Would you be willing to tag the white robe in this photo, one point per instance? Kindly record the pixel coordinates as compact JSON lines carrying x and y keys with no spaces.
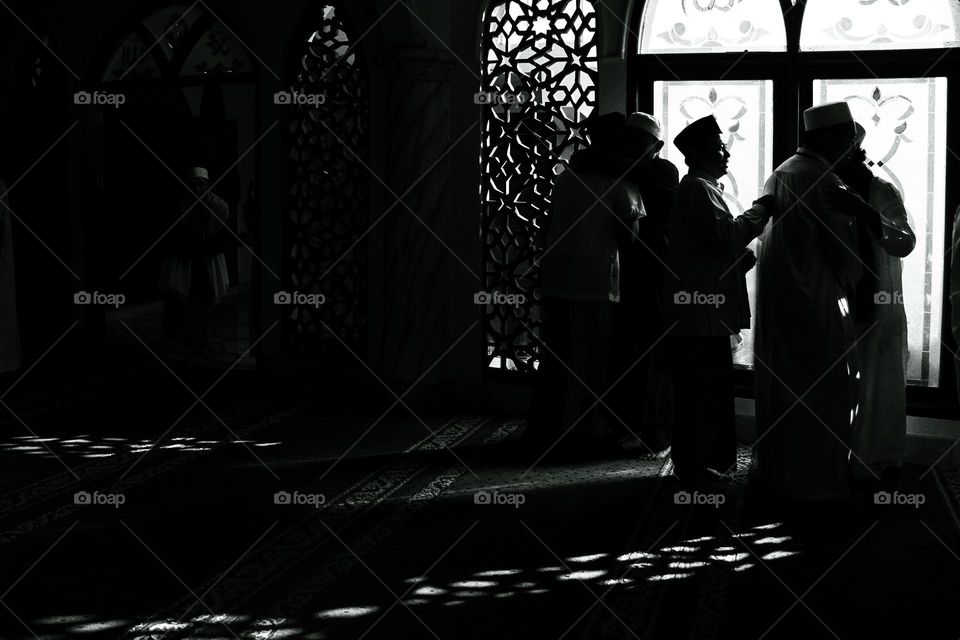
{"x":805,"y":354}
{"x":9,"y":329}
{"x":881,"y":431}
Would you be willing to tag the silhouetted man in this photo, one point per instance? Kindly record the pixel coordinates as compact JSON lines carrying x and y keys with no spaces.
{"x":806,"y":359}
{"x":706,"y":302}
{"x":580,"y":286}
{"x":638,"y":348}
{"x":880,"y":440}
{"x":194,"y":274}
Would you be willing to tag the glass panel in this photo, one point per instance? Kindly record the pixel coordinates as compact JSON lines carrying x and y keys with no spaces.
{"x":906,"y":123}
{"x":712,"y":26}
{"x":844,"y":25}
{"x":170,"y":26}
{"x":744,"y":110}
{"x":540,"y":75}
{"x":218,"y":51}
{"x":133,"y":60}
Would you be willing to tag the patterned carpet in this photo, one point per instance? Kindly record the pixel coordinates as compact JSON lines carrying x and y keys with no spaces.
{"x":265,"y":515}
{"x":227,"y":341}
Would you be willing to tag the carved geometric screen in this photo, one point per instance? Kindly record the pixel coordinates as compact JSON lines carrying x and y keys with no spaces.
{"x":326,"y":199}
{"x":744,"y":111}
{"x":540,"y":71}
{"x":906,"y":122}
{"x":844,"y":25}
{"x":712,"y":26}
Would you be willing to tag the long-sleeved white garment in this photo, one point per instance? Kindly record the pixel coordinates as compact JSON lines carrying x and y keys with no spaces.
{"x":881,"y":431}
{"x":805,"y":346}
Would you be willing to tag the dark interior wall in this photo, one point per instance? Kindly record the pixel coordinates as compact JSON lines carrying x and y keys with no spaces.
{"x":424,"y":68}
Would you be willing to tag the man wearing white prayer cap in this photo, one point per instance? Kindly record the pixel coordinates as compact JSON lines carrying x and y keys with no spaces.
{"x":805,"y":340}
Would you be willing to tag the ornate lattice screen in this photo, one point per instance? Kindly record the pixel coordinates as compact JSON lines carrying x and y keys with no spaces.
{"x":540,"y":71}
{"x":326,"y":205}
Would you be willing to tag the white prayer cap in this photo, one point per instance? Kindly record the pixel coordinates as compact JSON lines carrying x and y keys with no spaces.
{"x":644,"y":122}
{"x":199,"y":172}
{"x":826,"y":115}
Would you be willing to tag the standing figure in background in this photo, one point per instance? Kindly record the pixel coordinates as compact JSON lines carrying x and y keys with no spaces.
{"x":881,"y":322}
{"x":640,"y":356}
{"x":705,"y":303}
{"x":9,"y":328}
{"x":580,"y":288}
{"x":194,"y":274}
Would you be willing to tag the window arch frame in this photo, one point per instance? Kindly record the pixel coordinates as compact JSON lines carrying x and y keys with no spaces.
{"x":793,"y":73}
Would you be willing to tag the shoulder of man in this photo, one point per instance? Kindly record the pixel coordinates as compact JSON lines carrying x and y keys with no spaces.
{"x":219,"y":202}
{"x":885,"y":188}
{"x":666,"y":168}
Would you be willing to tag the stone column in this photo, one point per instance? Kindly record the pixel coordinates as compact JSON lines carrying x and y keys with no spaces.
{"x":417,"y":265}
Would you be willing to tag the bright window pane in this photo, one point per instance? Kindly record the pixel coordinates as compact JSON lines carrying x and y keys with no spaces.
{"x":712,"y":26}
{"x":906,"y":123}
{"x":744,"y":110}
{"x":844,"y":25}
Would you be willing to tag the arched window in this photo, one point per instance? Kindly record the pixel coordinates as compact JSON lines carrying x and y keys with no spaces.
{"x":712,"y":26}
{"x":191,"y":43}
{"x":540,"y":72}
{"x":325,"y":214}
{"x":872,"y":25}
{"x":758,"y":86}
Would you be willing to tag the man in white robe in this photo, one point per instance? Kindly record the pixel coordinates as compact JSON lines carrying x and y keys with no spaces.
{"x":805,"y":344}
{"x":194,"y":274}
{"x":879,"y":444}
